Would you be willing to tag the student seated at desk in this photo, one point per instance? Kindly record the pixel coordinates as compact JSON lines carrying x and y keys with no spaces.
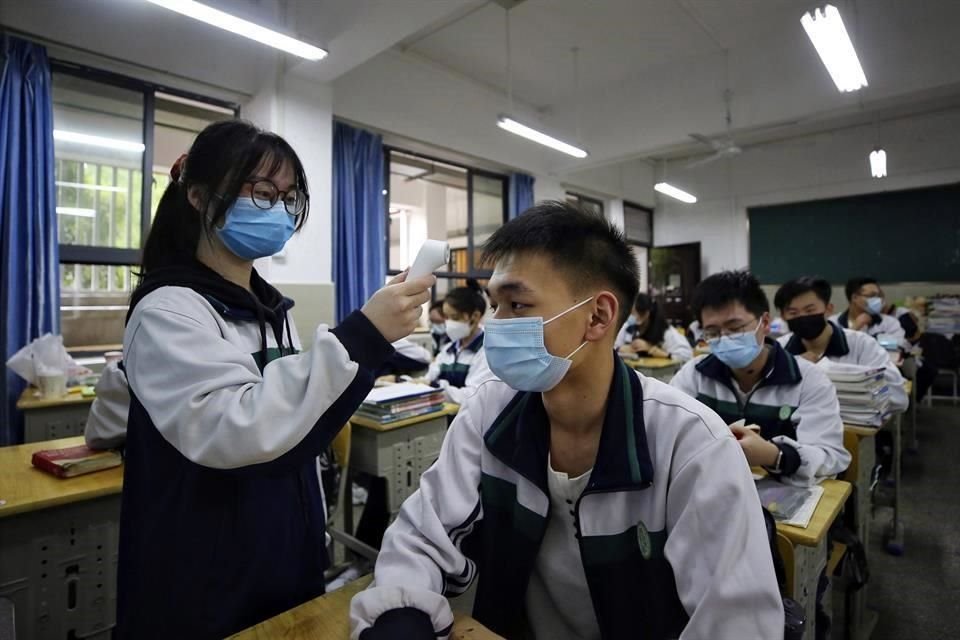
{"x":748,"y":376}
{"x":461,"y":366}
{"x":805,"y":303}
{"x":438,"y":327}
{"x":587,"y":500}
{"x":106,"y":426}
{"x":646,"y":333}
{"x":865,"y":312}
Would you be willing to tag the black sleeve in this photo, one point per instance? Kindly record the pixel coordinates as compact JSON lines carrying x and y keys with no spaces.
{"x":789,"y":460}
{"x":408,"y":623}
{"x":909,"y":325}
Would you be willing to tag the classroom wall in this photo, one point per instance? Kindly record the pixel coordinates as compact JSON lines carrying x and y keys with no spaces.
{"x":921,"y":150}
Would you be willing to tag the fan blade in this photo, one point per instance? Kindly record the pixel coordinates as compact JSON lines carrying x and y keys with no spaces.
{"x":699,"y":137}
{"x":702,"y":161}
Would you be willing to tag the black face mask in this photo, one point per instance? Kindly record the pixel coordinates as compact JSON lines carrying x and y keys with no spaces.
{"x":808,"y":327}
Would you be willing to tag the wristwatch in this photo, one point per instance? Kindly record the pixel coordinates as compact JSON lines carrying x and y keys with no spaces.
{"x":776,"y":465}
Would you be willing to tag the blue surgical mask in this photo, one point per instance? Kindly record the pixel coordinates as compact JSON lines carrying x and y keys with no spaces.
{"x":737,"y":350}
{"x":517,"y":354}
{"x":250,"y":232}
{"x":875,"y":305}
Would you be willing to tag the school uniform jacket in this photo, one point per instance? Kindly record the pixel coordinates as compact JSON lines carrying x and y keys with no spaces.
{"x":794,"y":404}
{"x":673,"y":343}
{"x":880,"y":324}
{"x":106,"y":426}
{"x":459,"y":369}
{"x":854,"y":348}
{"x":222,"y":520}
{"x":670,"y":529}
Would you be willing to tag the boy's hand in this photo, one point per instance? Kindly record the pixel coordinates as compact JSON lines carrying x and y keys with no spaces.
{"x":862,"y":321}
{"x":759,"y":452}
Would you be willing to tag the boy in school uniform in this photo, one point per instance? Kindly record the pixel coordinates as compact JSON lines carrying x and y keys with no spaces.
{"x":587,"y":500}
{"x":865,"y":312}
{"x":751,"y":377}
{"x":805,"y":303}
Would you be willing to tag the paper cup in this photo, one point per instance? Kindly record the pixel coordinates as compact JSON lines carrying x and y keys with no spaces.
{"x":113,"y":356}
{"x":53,"y":386}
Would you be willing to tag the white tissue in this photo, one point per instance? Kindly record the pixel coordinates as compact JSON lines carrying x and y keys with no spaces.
{"x":45,"y":356}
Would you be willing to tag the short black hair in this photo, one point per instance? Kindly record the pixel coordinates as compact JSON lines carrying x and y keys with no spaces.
{"x":584,"y":246}
{"x":726,"y":287}
{"x":799,"y":286}
{"x":855,"y":284}
{"x":466,"y":300}
{"x":436,"y":304}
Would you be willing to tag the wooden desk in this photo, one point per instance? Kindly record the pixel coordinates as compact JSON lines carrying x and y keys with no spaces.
{"x":46,"y":419}
{"x":328,"y":618}
{"x":809,"y":550}
{"x":659,"y":368}
{"x":58,"y":546}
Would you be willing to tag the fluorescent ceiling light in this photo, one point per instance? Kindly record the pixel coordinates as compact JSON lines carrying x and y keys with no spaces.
{"x":76,"y":211}
{"x":878,"y":163}
{"x":98,"y":141}
{"x":511,"y":125}
{"x":825,"y":29}
{"x":673,"y":192}
{"x":242,"y":27}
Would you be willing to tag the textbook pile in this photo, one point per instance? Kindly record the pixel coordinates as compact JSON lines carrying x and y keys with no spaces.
{"x":864,"y":396}
{"x":397,"y":402}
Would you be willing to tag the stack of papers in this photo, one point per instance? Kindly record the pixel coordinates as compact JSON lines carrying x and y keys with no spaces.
{"x":788,"y":504}
{"x":864,"y":397}
{"x":944,"y":315}
{"x":400,"y":401}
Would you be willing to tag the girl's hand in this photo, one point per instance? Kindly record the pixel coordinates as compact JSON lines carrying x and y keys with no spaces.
{"x":395,"y":309}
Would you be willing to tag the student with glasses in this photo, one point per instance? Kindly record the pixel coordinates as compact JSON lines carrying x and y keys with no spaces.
{"x":865,"y":312}
{"x":222,"y":522}
{"x":751,"y":377}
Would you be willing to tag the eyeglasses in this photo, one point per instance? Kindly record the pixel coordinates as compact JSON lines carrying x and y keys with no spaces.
{"x":712,"y":333}
{"x":265,"y":195}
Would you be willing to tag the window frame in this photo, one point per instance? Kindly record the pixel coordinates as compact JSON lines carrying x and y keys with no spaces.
{"x":113,"y":256}
{"x":582,"y":199}
{"x":472,"y":270}
{"x":649,"y":210}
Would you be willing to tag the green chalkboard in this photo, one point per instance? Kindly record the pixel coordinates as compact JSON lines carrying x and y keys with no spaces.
{"x":895,"y":236}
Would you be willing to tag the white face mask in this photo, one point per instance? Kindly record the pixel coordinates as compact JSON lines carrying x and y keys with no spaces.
{"x":457,"y":330}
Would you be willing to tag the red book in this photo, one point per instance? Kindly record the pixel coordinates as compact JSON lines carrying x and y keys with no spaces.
{"x":75,"y":461}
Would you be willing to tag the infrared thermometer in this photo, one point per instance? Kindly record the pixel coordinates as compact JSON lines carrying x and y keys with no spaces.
{"x":432,"y":255}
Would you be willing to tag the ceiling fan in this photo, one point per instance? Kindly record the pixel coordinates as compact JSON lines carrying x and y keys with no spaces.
{"x":723,"y":146}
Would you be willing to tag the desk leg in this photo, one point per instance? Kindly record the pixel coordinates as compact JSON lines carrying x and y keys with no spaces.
{"x":809,"y":563}
{"x":895,"y":533}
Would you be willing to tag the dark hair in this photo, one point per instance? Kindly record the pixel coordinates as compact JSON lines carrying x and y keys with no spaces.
{"x":466,"y":300}
{"x":584,"y":246}
{"x":220,"y":160}
{"x":436,"y":304}
{"x":855,"y":284}
{"x":799,"y":286}
{"x":656,"y":323}
{"x":725,"y":287}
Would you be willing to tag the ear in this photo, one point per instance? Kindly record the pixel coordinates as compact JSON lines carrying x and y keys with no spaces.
{"x":764,"y":324}
{"x":603,"y":321}
{"x":475,"y":317}
{"x":196,"y":197}
{"x":829,"y":309}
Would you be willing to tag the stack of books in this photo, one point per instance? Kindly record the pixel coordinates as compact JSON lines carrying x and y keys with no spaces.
{"x":944,"y":315}
{"x":397,"y":402}
{"x":864,"y":396}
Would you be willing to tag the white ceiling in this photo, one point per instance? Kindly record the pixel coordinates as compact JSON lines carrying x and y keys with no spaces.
{"x":654,"y":71}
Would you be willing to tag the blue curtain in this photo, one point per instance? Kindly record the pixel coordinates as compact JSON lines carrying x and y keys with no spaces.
{"x":521,"y":194}
{"x":29,"y":277}
{"x":359,"y":219}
